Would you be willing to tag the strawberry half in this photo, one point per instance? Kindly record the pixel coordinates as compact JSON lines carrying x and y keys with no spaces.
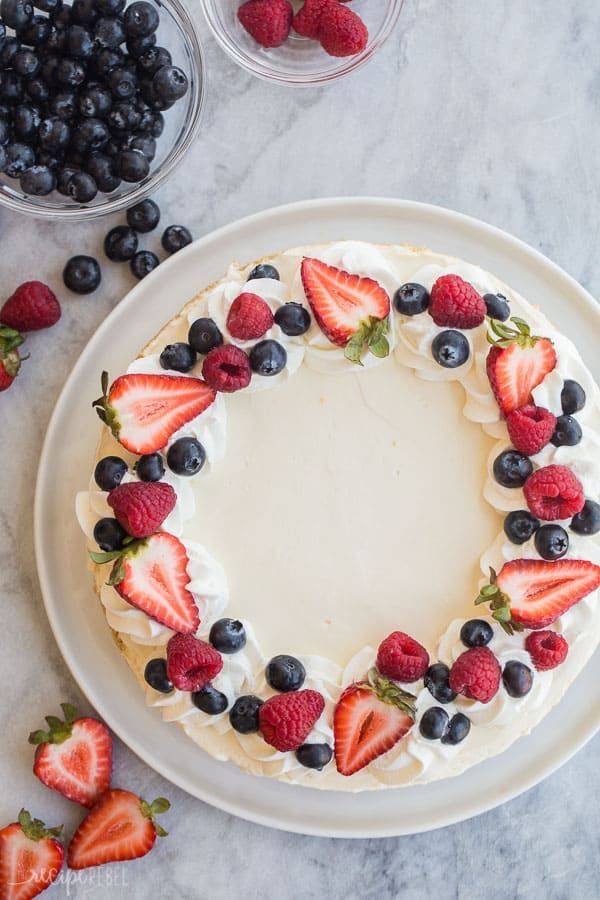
{"x":10,"y":358}
{"x":517,"y":362}
{"x":31,"y":858}
{"x":352,"y":311}
{"x":121,"y":826}
{"x":151,"y":574}
{"x":143,"y":411}
{"x":369,"y":719}
{"x":533,"y":593}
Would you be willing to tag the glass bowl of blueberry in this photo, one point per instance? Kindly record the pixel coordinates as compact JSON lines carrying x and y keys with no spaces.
{"x":99,"y":102}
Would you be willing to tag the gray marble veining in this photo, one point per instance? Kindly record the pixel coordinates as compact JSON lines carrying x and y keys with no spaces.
{"x":490,"y":107}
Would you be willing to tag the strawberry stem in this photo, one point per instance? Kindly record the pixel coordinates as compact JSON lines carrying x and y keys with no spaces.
{"x":59,"y":731}
{"x":106,"y":413}
{"x":499,"y":603}
{"x":370,"y":336}
{"x":389,"y":692}
{"x":150,"y":810}
{"x":35,"y":829}
{"x":503,"y":335}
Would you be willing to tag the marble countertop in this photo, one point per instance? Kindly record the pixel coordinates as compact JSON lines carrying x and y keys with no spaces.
{"x":479,"y":105}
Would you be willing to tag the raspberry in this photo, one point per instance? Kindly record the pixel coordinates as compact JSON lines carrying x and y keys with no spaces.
{"x":141,"y":507}
{"x":249,"y":317}
{"x":341,"y":31}
{"x":286,"y":720}
{"x":191,"y":663}
{"x":476,"y":674}
{"x":32,"y":306}
{"x":455,"y":303}
{"x":227,"y":368}
{"x":554,"y":492}
{"x":268,"y":21}
{"x":308,"y":18}
{"x":530,"y":428}
{"x":547,"y":649}
{"x":402,"y":658}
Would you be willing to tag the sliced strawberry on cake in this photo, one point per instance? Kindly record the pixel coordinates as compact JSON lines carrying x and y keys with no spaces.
{"x":31,"y":857}
{"x":517,"y":362}
{"x":351,"y":310}
{"x":143,"y":411}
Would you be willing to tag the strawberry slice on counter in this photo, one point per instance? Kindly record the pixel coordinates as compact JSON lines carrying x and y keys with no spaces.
{"x":351,"y":310}
{"x":517,"y":362}
{"x":143,"y":411}
{"x":74,"y":757}
{"x":369,"y":719}
{"x":533,"y":593}
{"x":121,"y":826}
{"x":31,"y":858}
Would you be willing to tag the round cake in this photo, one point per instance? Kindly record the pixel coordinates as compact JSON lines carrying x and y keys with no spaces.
{"x":385,"y":569}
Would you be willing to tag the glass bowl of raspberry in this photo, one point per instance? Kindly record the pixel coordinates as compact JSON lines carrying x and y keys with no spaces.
{"x":338,"y":37}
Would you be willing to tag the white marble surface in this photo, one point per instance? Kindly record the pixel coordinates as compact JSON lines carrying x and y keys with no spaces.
{"x":486,"y":106}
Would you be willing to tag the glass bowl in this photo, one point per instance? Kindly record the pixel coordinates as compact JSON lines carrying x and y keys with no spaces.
{"x":299,"y":61}
{"x":178,"y":33}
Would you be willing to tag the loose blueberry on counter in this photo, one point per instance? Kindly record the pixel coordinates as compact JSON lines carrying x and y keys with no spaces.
{"x":109,"y":472}
{"x":120,"y":244}
{"x":588,"y":520}
{"x":204,"y":335}
{"x":411,"y":299}
{"x":497,"y":306}
{"x":434,"y":723}
{"x":285,"y":673}
{"x":210,"y":700}
{"x":293,"y":319}
{"x":264,"y":270}
{"x":268,"y":358}
{"x":437,"y":682}
{"x":512,"y":469}
{"x":179,"y":357}
{"x":109,"y":535}
{"x":150,"y":467}
{"x":314,"y":756}
{"x":227,"y":635}
{"x":476,"y":633}
{"x":551,"y":541}
{"x":243,"y":715}
{"x":82,"y":274}
{"x":572,"y":397}
{"x":144,"y":216}
{"x":458,"y":728}
{"x":81,"y":187}
{"x":175,"y":238}
{"x":37,"y":181}
{"x":567,"y":433}
{"x":186,"y":456}
{"x":520,"y":525}
{"x":517,"y":678}
{"x":156,"y":676}
{"x":143,"y":263}
{"x":450,"y":349}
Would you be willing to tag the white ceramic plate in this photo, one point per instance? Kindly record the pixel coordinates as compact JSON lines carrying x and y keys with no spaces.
{"x":77,"y":618}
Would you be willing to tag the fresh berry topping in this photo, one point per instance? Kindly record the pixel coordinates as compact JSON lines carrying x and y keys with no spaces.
{"x":517,"y":678}
{"x":434,"y":723}
{"x":411,"y":299}
{"x":533,"y":593}
{"x":285,"y":673}
{"x":179,"y":357}
{"x":243,"y":715}
{"x":191,"y":663}
{"x":249,"y":317}
{"x":547,"y":649}
{"x":144,"y":216}
{"x":530,"y":428}
{"x":572,"y":397}
{"x":476,"y":633}
{"x":267,"y":21}
{"x":120,"y":826}
{"x":210,"y":700}
{"x":588,"y":520}
{"x":264,"y":270}
{"x":32,"y":306}
{"x":437,"y":682}
{"x":293,"y":319}
{"x":314,"y":756}
{"x":458,"y":728}
{"x":268,"y":358}
{"x":109,"y":472}
{"x":82,"y":274}
{"x":155,"y":674}
{"x":554,"y":492}
{"x":141,"y":507}
{"x":520,"y":526}
{"x":369,"y":719}
{"x":496,"y":306}
{"x":31,"y":858}
{"x":109,"y":535}
{"x":512,"y":469}
{"x":516,"y":363}
{"x":286,"y":720}
{"x":74,"y":757}
{"x":450,"y":349}
{"x":551,"y":541}
{"x":568,"y":432}
{"x":341,"y":31}
{"x":402,"y":658}
{"x":455,"y":303}
{"x":476,"y":674}
{"x":175,"y":237}
{"x":204,"y":335}
{"x":227,"y":635}
{"x":186,"y":456}
{"x":150,"y":467}
{"x":308,"y":18}
{"x":352,"y":311}
{"x":10,"y":360}
{"x":227,"y":368}
{"x":143,"y":411}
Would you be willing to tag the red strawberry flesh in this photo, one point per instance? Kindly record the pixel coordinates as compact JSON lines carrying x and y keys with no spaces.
{"x":80,"y":767}
{"x":30,"y":858}
{"x":516,"y":370}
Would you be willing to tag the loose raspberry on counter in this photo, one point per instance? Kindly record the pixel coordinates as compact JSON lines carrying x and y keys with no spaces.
{"x":33,"y":306}
{"x":547,"y":649}
{"x":554,"y":492}
{"x":341,"y":31}
{"x":191,"y":663}
{"x":249,"y":317}
{"x":141,"y":507}
{"x":267,"y":21}
{"x":530,"y":428}
{"x":476,"y":674}
{"x":286,"y":720}
{"x":227,"y":368}
{"x":455,"y":303}
{"x":402,"y":658}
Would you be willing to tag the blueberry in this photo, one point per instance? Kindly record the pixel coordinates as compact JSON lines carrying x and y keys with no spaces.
{"x":123,"y":118}
{"x":588,"y":520}
{"x":179,"y":356}
{"x":94,"y":102}
{"x":63,"y":105}
{"x":268,"y":358}
{"x":4,"y":132}
{"x":497,"y":306}
{"x":551,"y":541}
{"x":11,"y":88}
{"x":89,"y":135}
{"x":100,"y":168}
{"x":63,"y":176}
{"x":186,"y":456}
{"x":109,"y":472}
{"x":81,"y":187}
{"x":141,"y":19}
{"x":132,"y":165}
{"x":82,"y":274}
{"x":156,"y":676}
{"x":175,"y":238}
{"x":434,"y":723}
{"x":110,"y":7}
{"x":572,"y":397}
{"x":36,"y":32}
{"x":138,"y":45}
{"x":53,"y":134}
{"x":144,"y":216}
{"x":48,"y":6}
{"x":107,"y":60}
{"x":450,"y":349}
{"x":150,"y":467}
{"x":285,"y":673}
{"x":293,"y":319}
{"x":170,"y":84}
{"x":264,"y":270}
{"x":143,"y":263}
{"x":61,"y":15}
{"x":26,"y":121}
{"x":314,"y":756}
{"x":44,"y":158}
{"x":49,"y":68}
{"x":567,"y":433}
{"x":79,"y":42}
{"x":228,"y":635}
{"x":109,"y":535}
{"x":109,"y":32}
{"x":2,"y":158}
{"x":55,"y":42}
{"x":512,"y":469}
{"x":38,"y":181}
{"x":121,"y":243}
{"x":517,"y":678}
{"x":476,"y":633}
{"x":458,"y":728}
{"x":8,"y":50}
{"x":84,"y":12}
{"x":210,"y":700}
{"x":146,"y":144}
{"x":437,"y":682}
{"x":520,"y":525}
{"x":411,"y":299}
{"x":70,"y":72}
{"x":37,"y":90}
{"x":26,"y":63}
{"x":151,"y":123}
{"x":19,"y":157}
{"x":153,"y":59}
{"x":122,"y":83}
{"x":243,"y":715}
{"x":204,"y":335}
{"x":16,"y":13}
